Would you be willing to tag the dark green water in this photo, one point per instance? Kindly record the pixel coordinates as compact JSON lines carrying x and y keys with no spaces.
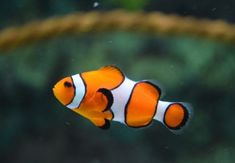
{"x":34,"y":127}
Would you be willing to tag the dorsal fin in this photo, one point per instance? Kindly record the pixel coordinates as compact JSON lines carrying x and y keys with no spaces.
{"x":112,"y":68}
{"x":112,"y":73}
{"x":108,"y":77}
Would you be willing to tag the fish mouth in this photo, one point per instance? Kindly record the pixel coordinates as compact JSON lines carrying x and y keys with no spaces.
{"x":53,"y":89}
{"x":54,"y":92}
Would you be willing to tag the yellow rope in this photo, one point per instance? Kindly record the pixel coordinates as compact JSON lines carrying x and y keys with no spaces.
{"x":154,"y":23}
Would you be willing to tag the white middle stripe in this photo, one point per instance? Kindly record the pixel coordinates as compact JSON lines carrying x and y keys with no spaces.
{"x":121,"y":96}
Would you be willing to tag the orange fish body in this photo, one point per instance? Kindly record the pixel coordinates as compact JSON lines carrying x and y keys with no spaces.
{"x":107,"y":94}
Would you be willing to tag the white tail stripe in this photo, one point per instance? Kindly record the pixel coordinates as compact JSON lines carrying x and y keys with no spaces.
{"x":161,"y":108}
{"x":80,"y":90}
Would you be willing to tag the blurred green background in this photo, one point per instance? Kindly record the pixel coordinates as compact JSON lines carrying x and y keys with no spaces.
{"x":35,"y":128}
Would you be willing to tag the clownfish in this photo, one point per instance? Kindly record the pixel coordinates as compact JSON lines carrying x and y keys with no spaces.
{"x":106,"y":95}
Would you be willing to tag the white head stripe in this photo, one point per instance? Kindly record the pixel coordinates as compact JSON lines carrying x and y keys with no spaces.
{"x":80,"y":90}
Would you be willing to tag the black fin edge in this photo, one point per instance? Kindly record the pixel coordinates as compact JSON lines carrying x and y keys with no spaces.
{"x":184,"y":121}
{"x":109,"y":96}
{"x":154,"y":85}
{"x":119,"y":70}
{"x":106,"y":125}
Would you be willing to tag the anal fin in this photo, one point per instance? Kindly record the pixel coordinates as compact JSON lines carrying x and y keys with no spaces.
{"x":106,"y":125}
{"x":101,"y":122}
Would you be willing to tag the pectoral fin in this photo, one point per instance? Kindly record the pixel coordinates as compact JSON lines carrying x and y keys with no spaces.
{"x":97,"y":110}
{"x":109,"y":97}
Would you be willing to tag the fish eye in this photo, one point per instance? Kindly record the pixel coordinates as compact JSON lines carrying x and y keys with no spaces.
{"x":67,"y":84}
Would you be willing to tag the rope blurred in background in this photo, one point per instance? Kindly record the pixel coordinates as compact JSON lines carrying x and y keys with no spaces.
{"x":153,"y":23}
{"x":142,"y":42}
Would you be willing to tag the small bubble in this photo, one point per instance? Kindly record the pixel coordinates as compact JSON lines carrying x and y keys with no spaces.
{"x":213,"y":9}
{"x":67,"y":123}
{"x":166,"y":147}
{"x":95,"y":4}
{"x":95,"y":161}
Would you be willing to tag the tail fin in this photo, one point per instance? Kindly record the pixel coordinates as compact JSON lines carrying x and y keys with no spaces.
{"x":174,"y":115}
